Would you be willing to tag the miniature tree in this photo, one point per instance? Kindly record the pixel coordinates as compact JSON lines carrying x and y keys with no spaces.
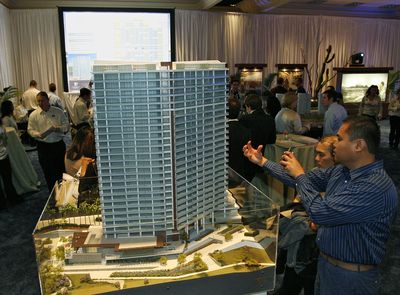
{"x":44,"y":254}
{"x":218,"y":256}
{"x":184,"y":236}
{"x":181,"y":259}
{"x":251,"y":262}
{"x":199,"y":264}
{"x":228,"y":237}
{"x":197,"y":255}
{"x":60,"y":253}
{"x":163,"y":260}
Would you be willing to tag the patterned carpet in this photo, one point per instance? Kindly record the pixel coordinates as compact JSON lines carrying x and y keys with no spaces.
{"x":18,"y":270}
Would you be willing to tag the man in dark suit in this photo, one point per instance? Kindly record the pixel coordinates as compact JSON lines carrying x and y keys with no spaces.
{"x":261,"y":125}
{"x":279,"y":87}
{"x":238,"y":136}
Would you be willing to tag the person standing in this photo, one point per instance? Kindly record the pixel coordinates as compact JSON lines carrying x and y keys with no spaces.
{"x":261,"y":126}
{"x":29,"y":97}
{"x":394,"y":119}
{"x":48,"y":125}
{"x":279,"y":87}
{"x":354,"y":216}
{"x":297,"y":235}
{"x":371,"y":104}
{"x":288,"y":120}
{"x":238,"y":136}
{"x":8,"y":196}
{"x":335,"y":114}
{"x":7,"y":117}
{"x":55,"y":100}
{"x":81,"y":116}
{"x":299,"y":85}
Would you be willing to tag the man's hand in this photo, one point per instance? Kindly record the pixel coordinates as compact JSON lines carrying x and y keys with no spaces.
{"x":291,"y":164}
{"x":254,"y":155}
{"x":48,"y":131}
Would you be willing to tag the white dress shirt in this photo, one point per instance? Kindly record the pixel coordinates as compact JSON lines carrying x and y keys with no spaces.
{"x":81,"y":112}
{"x":40,"y":121}
{"x":29,"y":99}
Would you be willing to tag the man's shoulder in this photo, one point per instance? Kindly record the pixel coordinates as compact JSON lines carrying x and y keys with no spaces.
{"x":35,"y":114}
{"x":56,"y":110}
{"x":79,"y":102}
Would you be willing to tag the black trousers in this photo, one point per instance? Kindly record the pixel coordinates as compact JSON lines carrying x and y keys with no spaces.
{"x":9,"y":196}
{"x":51,"y":159}
{"x":293,"y":283}
{"x":394,"y":135}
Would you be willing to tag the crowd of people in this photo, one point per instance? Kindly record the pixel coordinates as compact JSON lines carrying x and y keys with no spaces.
{"x":347,"y":202}
{"x":344,"y":207}
{"x":46,"y":124}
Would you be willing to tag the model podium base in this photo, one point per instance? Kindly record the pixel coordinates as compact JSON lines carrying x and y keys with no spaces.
{"x":232,"y":252}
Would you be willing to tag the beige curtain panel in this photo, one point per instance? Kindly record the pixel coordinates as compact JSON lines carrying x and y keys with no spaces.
{"x":33,"y":47}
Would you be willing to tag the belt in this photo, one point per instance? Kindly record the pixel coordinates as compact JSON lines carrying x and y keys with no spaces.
{"x":347,"y":265}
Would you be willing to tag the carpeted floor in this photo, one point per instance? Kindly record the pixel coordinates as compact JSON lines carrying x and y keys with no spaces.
{"x":18,"y":270}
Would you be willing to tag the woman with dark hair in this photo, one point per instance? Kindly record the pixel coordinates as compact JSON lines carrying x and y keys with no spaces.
{"x":8,"y":194}
{"x":82,"y":146}
{"x":7,"y":117}
{"x":394,"y":118}
{"x":371,"y":105}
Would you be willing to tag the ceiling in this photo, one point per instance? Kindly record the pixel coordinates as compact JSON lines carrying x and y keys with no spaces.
{"x":358,"y":8}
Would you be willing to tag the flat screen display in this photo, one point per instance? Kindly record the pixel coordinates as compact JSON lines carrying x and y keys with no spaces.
{"x":355,"y":85}
{"x":133,"y":36}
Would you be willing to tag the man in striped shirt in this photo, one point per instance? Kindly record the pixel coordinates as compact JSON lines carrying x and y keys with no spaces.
{"x":355,"y":214}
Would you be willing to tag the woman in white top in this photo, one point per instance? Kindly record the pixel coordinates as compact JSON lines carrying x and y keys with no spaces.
{"x":288,"y":120}
{"x":7,"y":117}
{"x":394,"y":118}
{"x":371,"y":105}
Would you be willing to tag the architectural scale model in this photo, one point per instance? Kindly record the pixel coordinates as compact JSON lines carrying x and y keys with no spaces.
{"x":161,"y":144}
{"x":162,"y":218}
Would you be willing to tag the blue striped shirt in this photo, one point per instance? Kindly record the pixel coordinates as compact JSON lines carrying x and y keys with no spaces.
{"x":355,"y":214}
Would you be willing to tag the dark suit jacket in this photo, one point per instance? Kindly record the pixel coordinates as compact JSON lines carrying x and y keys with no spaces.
{"x":278,"y":89}
{"x":262,"y":128}
{"x":238,"y":137}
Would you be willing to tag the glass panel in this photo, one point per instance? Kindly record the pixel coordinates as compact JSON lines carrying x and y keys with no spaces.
{"x":238,"y":238}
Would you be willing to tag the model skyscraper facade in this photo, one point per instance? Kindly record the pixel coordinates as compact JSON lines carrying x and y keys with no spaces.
{"x":161,"y":147}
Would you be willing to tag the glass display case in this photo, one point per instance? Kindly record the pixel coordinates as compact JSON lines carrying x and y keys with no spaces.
{"x":232,"y":252}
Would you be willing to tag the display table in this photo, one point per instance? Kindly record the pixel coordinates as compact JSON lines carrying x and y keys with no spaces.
{"x":304,"y":149}
{"x":24,"y":176}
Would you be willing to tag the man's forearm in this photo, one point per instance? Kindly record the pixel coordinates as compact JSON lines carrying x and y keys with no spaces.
{"x":277,"y":171}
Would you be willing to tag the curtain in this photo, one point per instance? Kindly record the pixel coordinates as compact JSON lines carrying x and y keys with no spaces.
{"x":37,"y":49}
{"x":6,"y":66}
{"x":200,"y":35}
{"x":271,"y":39}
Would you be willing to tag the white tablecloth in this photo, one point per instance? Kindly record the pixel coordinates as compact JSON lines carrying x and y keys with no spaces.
{"x":304,"y":149}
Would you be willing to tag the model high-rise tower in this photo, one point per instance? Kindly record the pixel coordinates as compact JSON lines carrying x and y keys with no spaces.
{"x":161,"y":147}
